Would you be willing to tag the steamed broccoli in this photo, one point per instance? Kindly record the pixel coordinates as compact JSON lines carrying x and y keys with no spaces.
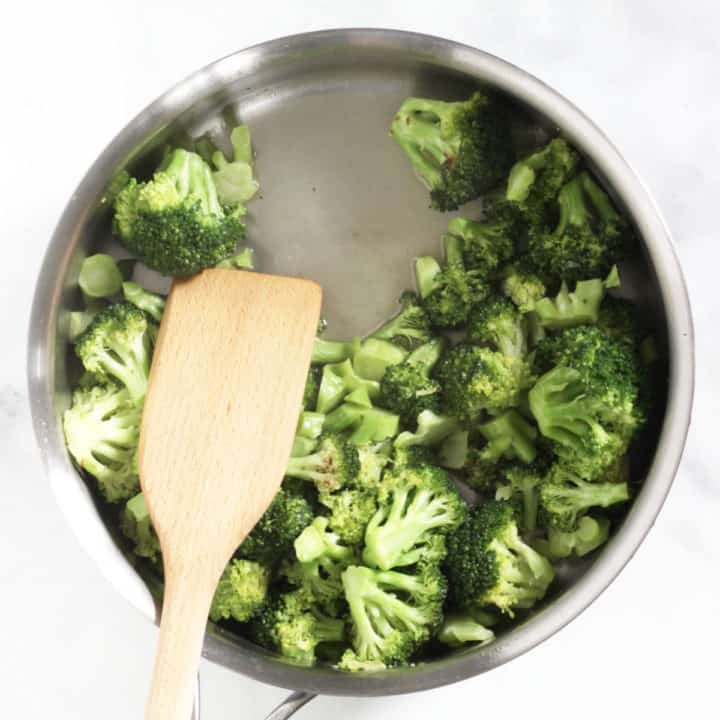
{"x":175,"y":223}
{"x":99,"y":277}
{"x":339,"y":380}
{"x":509,"y":435}
{"x":244,"y":259}
{"x":497,"y":322}
{"x":474,"y":379}
{"x":137,"y":527}
{"x":241,"y":592}
{"x":331,"y":351}
{"x":521,"y":485}
{"x":366,"y":423}
{"x":459,"y":628}
{"x":565,"y":497}
{"x":374,"y":457}
{"x":410,"y":327}
{"x":589,"y":238}
{"x":457,"y":149}
{"x":590,"y":534}
{"x":432,"y":429}
{"x":392,"y":612}
{"x":373,"y":357}
{"x":619,"y":319}
{"x":485,"y":246}
{"x":522,"y":285}
{"x":350,"y":510}
{"x":407,"y":388}
{"x":416,"y":503}
{"x":273,"y":536}
{"x":334,"y":464}
{"x":312,"y":387}
{"x":150,"y":303}
{"x":234,"y":179}
{"x":117,"y":345}
{"x":489,"y":564}
{"x":102,"y":428}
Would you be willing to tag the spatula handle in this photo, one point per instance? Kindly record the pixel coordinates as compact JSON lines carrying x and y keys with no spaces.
{"x":182,"y":629}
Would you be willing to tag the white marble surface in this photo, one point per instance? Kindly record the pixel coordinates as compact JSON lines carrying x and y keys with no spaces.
{"x":646,"y":71}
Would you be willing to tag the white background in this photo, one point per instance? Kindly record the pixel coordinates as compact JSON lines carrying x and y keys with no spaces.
{"x":647,"y":72}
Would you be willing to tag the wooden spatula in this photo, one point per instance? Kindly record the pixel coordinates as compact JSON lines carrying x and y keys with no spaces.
{"x":225,"y":390}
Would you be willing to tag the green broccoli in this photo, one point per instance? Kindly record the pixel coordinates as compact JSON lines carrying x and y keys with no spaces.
{"x":489,"y":564}
{"x":522,"y":285}
{"x":457,"y":149}
{"x":99,"y":277}
{"x":175,"y":223}
{"x":273,"y":536}
{"x":334,"y":464}
{"x":497,"y":322}
{"x":312,"y":387}
{"x":619,"y":319}
{"x":321,"y":558}
{"x":521,"y":486}
{"x":590,"y":534}
{"x":374,"y":457}
{"x":292,"y":624}
{"x":454,"y":449}
{"x":310,"y":424}
{"x":234,"y":180}
{"x":367,"y":424}
{"x":373,"y":357}
{"x":339,"y":380}
{"x":589,"y":238}
{"x":485,"y":246}
{"x":137,"y":527}
{"x":332,"y":351}
{"x":407,"y":388}
{"x":509,"y":435}
{"x":565,"y":497}
{"x":117,"y":345}
{"x":150,"y":303}
{"x":350,"y":511}
{"x":242,"y":260}
{"x":432,"y":429}
{"x":392,"y":612}
{"x":483,"y":468}
{"x":416,"y":502}
{"x":410,"y":327}
{"x":474,"y":379}
{"x":459,"y":628}
{"x":102,"y":428}
{"x":241,"y":591}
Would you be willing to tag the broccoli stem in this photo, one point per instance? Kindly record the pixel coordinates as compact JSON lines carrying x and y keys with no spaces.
{"x":99,"y":276}
{"x":242,"y":260}
{"x":152,"y":304}
{"x":374,"y":357}
{"x":331,"y":351}
{"x":427,"y":270}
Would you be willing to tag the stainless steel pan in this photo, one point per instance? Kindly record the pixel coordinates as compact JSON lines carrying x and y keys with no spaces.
{"x":339,"y":204}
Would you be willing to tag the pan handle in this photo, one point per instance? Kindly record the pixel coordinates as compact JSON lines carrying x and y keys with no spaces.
{"x":290,"y":705}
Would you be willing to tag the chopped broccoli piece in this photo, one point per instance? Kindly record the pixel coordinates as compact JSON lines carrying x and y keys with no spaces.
{"x":590,"y":534}
{"x":432,"y":429}
{"x":312,"y":387}
{"x":339,"y":380}
{"x":522,"y":285}
{"x":241,"y":592}
{"x":416,"y":503}
{"x":242,"y":260}
{"x":457,"y":149}
{"x":489,"y":564}
{"x":273,"y":536}
{"x":474,"y":379}
{"x":392,"y":612}
{"x":497,"y":322}
{"x":332,"y":351}
{"x":368,"y":424}
{"x":102,"y":428}
{"x":565,"y":497}
{"x":522,"y":488}
{"x":150,"y":303}
{"x":453,"y":451}
{"x":374,"y":357}
{"x":373,"y":459}
{"x":99,"y":277}
{"x":350,"y":512}
{"x":407,"y":388}
{"x":234,"y":180}
{"x":511,"y":436}
{"x":175,"y":223}
{"x":334,"y":464}
{"x":137,"y":527}
{"x":410,"y":327}
{"x":459,"y":628}
{"x":117,"y":346}
{"x":485,"y":246}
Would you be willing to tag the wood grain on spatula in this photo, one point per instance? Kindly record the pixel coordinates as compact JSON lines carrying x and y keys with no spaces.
{"x":225,"y":390}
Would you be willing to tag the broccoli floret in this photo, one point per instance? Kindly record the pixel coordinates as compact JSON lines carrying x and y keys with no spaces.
{"x":234,"y":179}
{"x":368,"y":424}
{"x":489,"y":564}
{"x":590,"y":534}
{"x":407,"y":388}
{"x":175,"y":223}
{"x":350,"y":512}
{"x":485,"y":245}
{"x":565,"y":497}
{"x":373,"y":357}
{"x":410,"y":327}
{"x":535,"y":181}
{"x":412,"y":455}
{"x":392,"y":612}
{"x":334,"y":464}
{"x":522,"y":285}
{"x":374,"y":457}
{"x":474,"y":379}
{"x":589,"y":238}
{"x":448,"y":294}
{"x":321,"y":558}
{"x":273,"y":536}
{"x":339,"y":380}
{"x":483,"y":468}
{"x":459,"y":628}
{"x":102,"y":428}
{"x":522,"y":486}
{"x":497,"y":322}
{"x":457,"y":149}
{"x":619,"y":319}
{"x":293,"y":625}
{"x":241,"y":591}
{"x":117,"y":345}
{"x":241,"y":260}
{"x":331,"y":351}
{"x":150,"y":303}
{"x":432,"y":429}
{"x":509,"y":435}
{"x":310,"y":424}
{"x":99,"y":277}
{"x":137,"y":527}
{"x":312,"y":387}
{"x":416,"y":503}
